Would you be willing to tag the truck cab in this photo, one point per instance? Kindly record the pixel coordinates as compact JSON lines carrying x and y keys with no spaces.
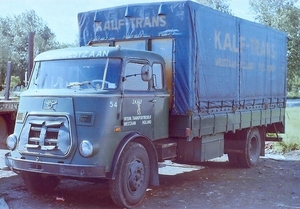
{"x":88,"y":111}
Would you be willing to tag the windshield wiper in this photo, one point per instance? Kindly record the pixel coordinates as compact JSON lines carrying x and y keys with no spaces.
{"x":80,"y":84}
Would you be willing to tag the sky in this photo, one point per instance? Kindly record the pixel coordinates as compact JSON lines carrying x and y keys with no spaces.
{"x":61,"y":15}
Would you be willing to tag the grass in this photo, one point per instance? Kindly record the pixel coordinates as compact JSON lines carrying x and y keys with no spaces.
{"x":291,"y":138}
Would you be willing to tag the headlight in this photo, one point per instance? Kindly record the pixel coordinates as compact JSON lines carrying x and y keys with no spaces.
{"x":86,"y":148}
{"x":11,"y":142}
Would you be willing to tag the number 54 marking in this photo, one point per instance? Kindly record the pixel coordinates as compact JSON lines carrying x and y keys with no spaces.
{"x":113,"y":104}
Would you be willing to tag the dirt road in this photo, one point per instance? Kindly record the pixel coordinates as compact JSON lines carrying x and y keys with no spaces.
{"x":272,"y":184}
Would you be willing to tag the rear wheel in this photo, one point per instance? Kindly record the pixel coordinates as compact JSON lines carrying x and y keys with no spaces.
{"x":40,"y":184}
{"x":132,"y":176}
{"x":234,"y":159}
{"x":252,"y":147}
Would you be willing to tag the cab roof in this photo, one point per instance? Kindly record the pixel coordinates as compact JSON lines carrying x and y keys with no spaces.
{"x":89,"y":52}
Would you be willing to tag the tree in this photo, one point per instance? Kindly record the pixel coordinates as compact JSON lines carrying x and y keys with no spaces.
{"x":221,"y":5}
{"x":14,"y":81}
{"x":14,"y":41}
{"x":285,"y":16}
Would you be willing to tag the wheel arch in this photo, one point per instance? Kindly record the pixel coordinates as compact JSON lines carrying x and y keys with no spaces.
{"x":136,"y":137}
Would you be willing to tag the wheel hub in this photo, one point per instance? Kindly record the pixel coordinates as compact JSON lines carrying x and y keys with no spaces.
{"x":136,"y":177}
{"x":253,"y":146}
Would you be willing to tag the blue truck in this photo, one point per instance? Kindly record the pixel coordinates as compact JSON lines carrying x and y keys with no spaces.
{"x":150,"y":82}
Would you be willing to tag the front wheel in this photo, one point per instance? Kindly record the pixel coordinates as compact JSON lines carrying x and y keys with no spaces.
{"x":132,"y":176}
{"x":38,"y":183}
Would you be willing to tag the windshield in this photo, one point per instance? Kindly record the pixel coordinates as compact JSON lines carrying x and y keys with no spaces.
{"x":95,"y":74}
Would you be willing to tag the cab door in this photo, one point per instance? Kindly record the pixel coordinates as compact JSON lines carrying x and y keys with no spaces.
{"x":162,"y":85}
{"x":160,"y":102}
{"x":137,"y":101}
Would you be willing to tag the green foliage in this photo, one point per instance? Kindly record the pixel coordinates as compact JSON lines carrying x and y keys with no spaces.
{"x":285,"y":16}
{"x":293,"y":95}
{"x":221,"y":5}
{"x":15,"y":81}
{"x":287,"y":146}
{"x":14,"y":41}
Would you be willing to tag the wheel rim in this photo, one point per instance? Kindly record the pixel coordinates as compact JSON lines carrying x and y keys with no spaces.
{"x":136,"y":176}
{"x":253,"y":148}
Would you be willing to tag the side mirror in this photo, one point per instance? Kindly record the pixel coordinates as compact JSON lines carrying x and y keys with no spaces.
{"x":146,"y":73}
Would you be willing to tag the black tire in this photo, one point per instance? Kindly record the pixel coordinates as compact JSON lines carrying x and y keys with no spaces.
{"x":3,"y":130}
{"x":252,"y":148}
{"x":38,"y":184}
{"x":132,"y":176}
{"x":234,"y":159}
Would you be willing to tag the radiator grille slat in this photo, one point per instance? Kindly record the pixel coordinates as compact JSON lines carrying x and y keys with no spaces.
{"x":47,"y":134}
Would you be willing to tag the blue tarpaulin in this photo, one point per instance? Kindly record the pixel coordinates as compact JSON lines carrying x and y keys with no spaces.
{"x":218,"y":61}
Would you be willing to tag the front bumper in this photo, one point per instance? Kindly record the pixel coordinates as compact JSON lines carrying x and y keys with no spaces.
{"x":66,"y":170}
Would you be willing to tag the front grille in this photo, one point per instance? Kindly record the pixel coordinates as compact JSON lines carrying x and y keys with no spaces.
{"x":46,"y":135}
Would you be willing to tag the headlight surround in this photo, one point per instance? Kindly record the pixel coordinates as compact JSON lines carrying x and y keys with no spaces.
{"x":11,"y":142}
{"x":86,"y":148}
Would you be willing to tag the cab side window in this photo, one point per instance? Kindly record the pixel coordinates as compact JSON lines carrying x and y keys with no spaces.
{"x":132,"y":79}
